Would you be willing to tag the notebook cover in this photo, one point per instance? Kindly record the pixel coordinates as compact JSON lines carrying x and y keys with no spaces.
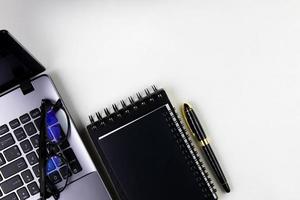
{"x":147,"y":152}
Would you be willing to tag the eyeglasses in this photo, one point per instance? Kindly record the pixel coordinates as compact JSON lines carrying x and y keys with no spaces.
{"x":52,"y":137}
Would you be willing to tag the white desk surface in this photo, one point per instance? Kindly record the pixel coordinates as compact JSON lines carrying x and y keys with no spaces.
{"x":237,"y":61}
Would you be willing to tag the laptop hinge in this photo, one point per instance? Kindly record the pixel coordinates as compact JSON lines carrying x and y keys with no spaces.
{"x":26,"y":87}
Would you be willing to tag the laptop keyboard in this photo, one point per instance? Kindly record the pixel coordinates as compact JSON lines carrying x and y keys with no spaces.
{"x":19,"y":142}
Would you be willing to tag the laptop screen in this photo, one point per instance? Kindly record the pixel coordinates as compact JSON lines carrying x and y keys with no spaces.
{"x":16,"y":65}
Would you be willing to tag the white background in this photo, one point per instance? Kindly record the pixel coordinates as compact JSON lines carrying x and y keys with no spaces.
{"x":237,"y":62}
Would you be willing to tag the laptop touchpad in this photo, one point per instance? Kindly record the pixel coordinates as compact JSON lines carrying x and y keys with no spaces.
{"x":89,"y":187}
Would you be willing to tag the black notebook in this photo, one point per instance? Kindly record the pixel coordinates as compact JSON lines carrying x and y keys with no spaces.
{"x":147,"y":153}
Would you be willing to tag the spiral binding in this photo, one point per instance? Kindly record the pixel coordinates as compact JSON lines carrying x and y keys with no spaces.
{"x":185,"y":138}
{"x":122,"y":105}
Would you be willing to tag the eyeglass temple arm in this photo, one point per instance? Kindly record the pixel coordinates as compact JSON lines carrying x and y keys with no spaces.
{"x":42,"y":153}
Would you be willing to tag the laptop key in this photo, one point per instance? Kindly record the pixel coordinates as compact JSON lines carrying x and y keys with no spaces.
{"x":65,"y":172}
{"x":2,"y":160}
{"x":57,"y":132}
{"x":50,"y":166}
{"x":73,"y":162}
{"x":33,"y":188}
{"x":64,"y":145}
{"x":36,"y":171}
{"x":12,"y":153}
{"x":37,"y":123}
{"x":27,"y":176}
{"x":55,"y":177}
{"x":20,"y":134}
{"x":58,"y":160}
{"x":35,"y":140}
{"x":49,"y":135}
{"x":32,"y":158}
{"x":51,"y":118}
{"x":26,"y":146}
{"x":11,"y":196}
{"x":6,"y":141}
{"x":75,"y":167}
{"x":35,"y":113}
{"x":69,"y":154}
{"x":25,"y":118}
{"x":53,"y":149}
{"x":30,"y":129}
{"x":22,"y":193}
{"x":13,"y":167}
{"x":11,"y":184}
{"x":14,"y":123}
{"x":3,"y":129}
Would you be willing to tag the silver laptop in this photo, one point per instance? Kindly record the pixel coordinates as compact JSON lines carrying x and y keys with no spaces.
{"x":22,"y":87}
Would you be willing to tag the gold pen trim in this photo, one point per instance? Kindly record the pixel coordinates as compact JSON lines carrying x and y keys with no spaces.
{"x":186,"y":121}
{"x":204,"y":142}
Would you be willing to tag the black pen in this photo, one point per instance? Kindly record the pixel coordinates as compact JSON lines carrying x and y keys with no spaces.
{"x":196,"y":128}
